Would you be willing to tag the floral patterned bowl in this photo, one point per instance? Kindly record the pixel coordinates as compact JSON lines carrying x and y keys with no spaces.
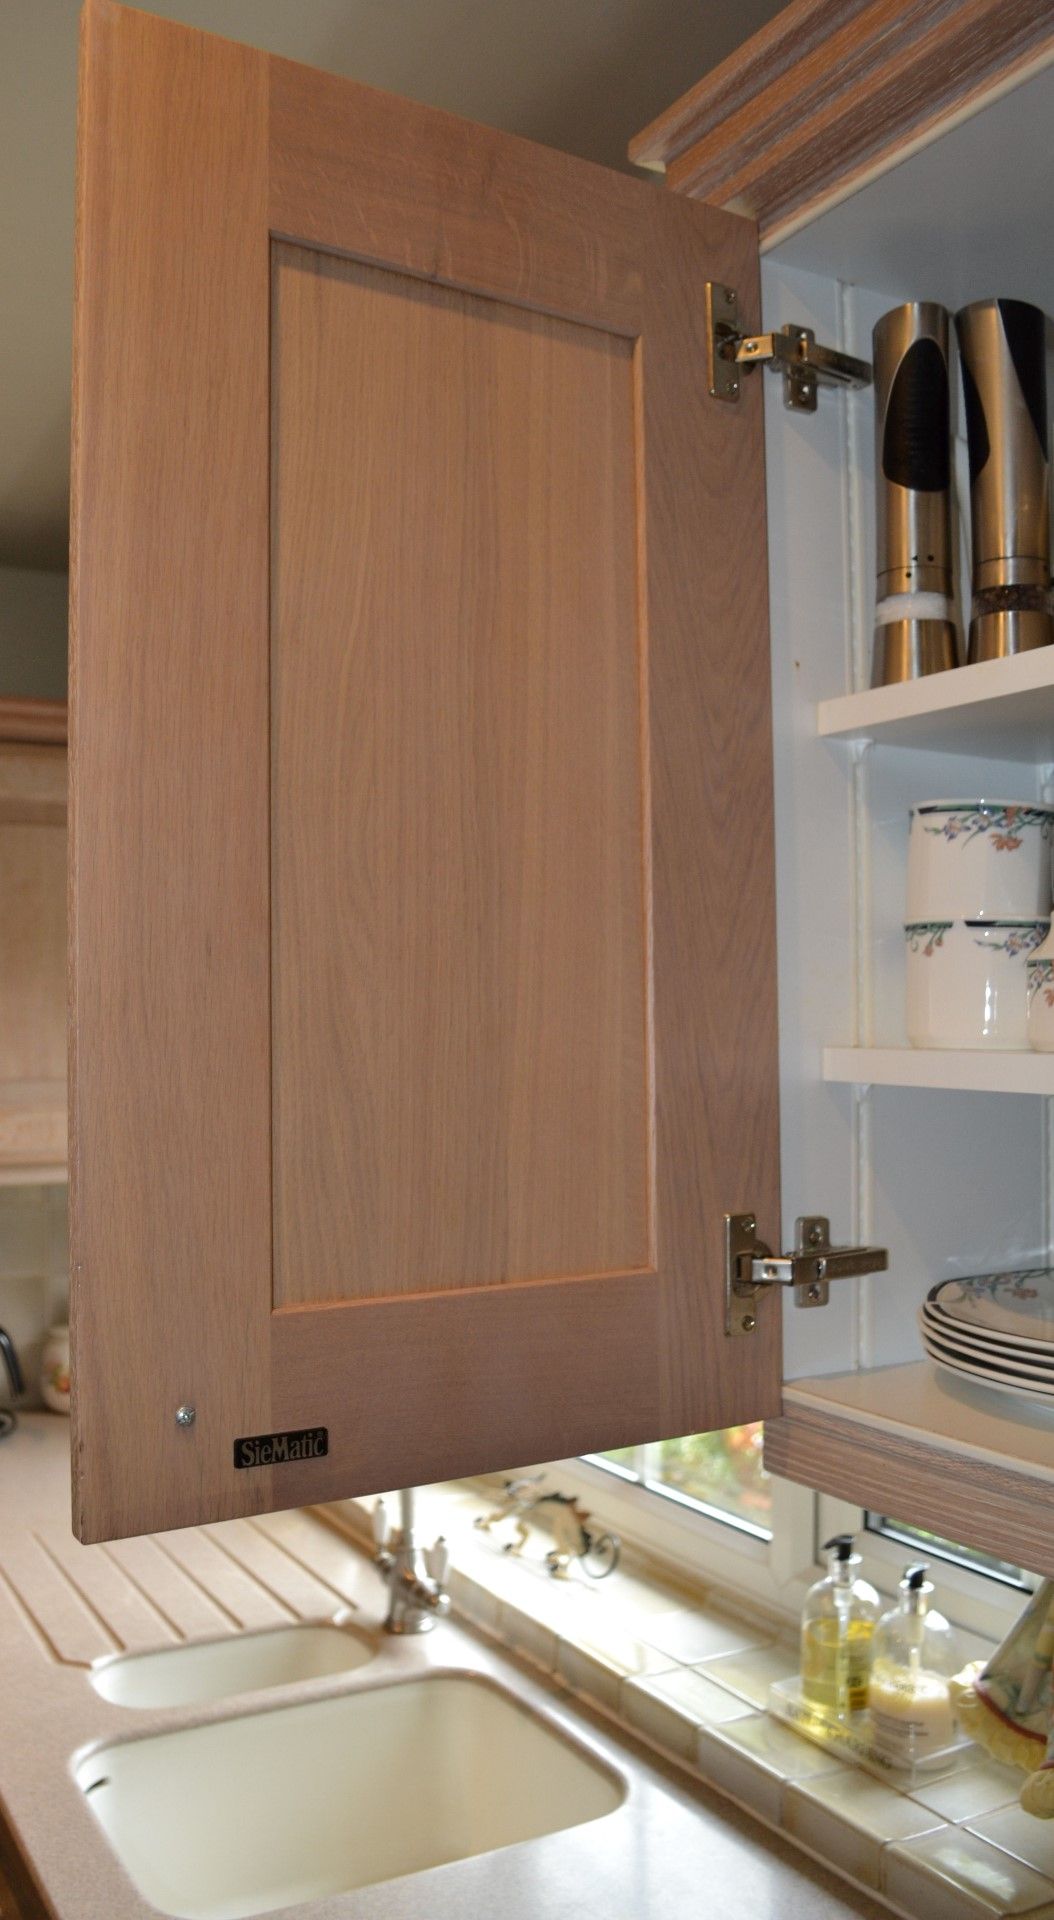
{"x":966,"y":981}
{"x":979,"y":860}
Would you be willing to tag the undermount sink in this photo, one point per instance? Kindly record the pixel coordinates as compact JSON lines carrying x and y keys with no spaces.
{"x":213,"y":1669}
{"x":249,"y":1814}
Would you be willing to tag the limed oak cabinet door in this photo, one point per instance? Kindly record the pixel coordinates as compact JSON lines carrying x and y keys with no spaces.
{"x":422,"y":919}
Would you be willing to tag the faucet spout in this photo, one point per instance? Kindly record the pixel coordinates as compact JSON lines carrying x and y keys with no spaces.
{"x":416,"y":1581}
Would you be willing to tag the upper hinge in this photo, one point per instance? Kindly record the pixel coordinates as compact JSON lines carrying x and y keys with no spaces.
{"x":750,"y":1267}
{"x":794,"y":352}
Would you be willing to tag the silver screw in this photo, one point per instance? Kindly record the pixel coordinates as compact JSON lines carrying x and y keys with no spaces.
{"x":813,"y":1292}
{"x":730,"y":296}
{"x":186,"y":1416}
{"x":815,"y":1236}
{"x":748,"y":1323}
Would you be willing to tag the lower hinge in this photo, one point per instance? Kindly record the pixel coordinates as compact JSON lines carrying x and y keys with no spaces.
{"x":750,"y":1267}
{"x":793,"y":351}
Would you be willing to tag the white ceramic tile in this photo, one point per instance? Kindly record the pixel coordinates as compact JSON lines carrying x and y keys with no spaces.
{"x":752,"y":1672}
{"x":470,"y":1598}
{"x":587,"y":1674}
{"x":669,"y":1707}
{"x":1021,"y":1834}
{"x":969,"y":1790}
{"x":769,"y":1744}
{"x":847,"y":1818}
{"x":695,"y":1634}
{"x":952,"y":1874}
{"x":528,"y":1635}
{"x":751,"y":1759}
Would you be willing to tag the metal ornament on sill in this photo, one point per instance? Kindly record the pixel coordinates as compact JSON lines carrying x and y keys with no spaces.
{"x":574,"y":1539}
{"x":751,"y":1266}
{"x":793,"y":351}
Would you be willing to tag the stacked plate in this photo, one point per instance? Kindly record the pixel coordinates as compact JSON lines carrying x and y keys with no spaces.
{"x":996,"y":1327}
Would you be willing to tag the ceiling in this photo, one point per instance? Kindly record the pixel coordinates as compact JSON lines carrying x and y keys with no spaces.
{"x":578,"y":74}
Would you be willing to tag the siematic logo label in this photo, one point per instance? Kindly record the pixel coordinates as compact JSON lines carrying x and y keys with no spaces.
{"x":275,"y":1449}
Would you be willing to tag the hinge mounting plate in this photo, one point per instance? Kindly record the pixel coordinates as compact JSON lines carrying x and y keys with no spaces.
{"x":750,"y":1268}
{"x":793,"y":351}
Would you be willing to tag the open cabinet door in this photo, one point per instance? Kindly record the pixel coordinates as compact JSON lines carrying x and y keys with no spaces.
{"x":423,"y":947}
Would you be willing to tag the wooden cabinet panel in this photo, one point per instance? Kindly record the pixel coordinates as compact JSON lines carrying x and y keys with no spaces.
{"x":423,"y":944}
{"x":461,"y":1057}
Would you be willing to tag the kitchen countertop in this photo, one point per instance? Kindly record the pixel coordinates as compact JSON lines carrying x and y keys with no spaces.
{"x":670,"y":1847}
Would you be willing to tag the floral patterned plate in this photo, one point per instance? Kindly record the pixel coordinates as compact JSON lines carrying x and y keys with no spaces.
{"x":991,"y":1376}
{"x":1016,"y":1306}
{"x":1036,"y":1354}
{"x":986,"y":1351}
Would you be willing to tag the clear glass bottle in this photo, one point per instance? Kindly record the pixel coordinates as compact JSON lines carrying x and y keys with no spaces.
{"x":915,"y":1656}
{"x":837,"y":1625}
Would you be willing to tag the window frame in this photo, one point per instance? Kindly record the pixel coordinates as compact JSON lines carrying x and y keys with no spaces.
{"x":773,"y":1576}
{"x":980,"y":1605}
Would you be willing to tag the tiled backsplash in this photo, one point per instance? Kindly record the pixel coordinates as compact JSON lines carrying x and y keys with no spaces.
{"x":34,"y":1274}
{"x":691,"y":1675}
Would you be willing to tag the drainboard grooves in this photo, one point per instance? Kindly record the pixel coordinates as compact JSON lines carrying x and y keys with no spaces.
{"x":135,"y":1623}
{"x":71,"y":1628}
{"x":286,"y":1579}
{"x":223,"y":1580}
{"x":194,"y":1615}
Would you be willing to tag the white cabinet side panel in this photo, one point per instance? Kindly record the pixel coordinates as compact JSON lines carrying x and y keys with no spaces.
{"x":811,"y":638}
{"x":951,"y":1183}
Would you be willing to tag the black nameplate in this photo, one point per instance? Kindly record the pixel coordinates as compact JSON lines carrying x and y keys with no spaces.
{"x":280,"y":1449}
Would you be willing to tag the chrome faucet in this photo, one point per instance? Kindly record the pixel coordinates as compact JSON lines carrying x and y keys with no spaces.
{"x":414,"y":1577}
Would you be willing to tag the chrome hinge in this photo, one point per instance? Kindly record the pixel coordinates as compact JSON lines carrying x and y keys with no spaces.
{"x":793,"y":351}
{"x":750,"y":1266}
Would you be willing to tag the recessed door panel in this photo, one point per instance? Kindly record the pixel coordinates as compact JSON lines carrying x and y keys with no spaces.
{"x":460,"y":1057}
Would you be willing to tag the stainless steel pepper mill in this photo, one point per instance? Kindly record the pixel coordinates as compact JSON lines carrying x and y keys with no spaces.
{"x":1002,"y":350}
{"x":915,"y":631}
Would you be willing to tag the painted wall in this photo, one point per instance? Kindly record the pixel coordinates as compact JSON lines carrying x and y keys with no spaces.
{"x":33,"y":633}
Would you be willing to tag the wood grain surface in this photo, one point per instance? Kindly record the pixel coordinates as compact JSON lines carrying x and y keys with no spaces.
{"x":169,"y":891}
{"x":995,"y":1509}
{"x":461,"y":1057}
{"x":826,"y":91}
{"x":627,"y":674}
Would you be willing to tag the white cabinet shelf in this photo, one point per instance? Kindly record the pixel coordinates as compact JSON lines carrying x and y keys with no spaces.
{"x":916,"y":1443}
{"x":999,"y":709}
{"x":958,"y":1069}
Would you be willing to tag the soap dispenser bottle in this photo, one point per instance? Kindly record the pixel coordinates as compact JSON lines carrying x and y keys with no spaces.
{"x":837,"y":1626}
{"x":915,"y":1656}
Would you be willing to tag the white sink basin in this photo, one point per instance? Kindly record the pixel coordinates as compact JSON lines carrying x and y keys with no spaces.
{"x":212,"y":1669}
{"x":246,"y":1815}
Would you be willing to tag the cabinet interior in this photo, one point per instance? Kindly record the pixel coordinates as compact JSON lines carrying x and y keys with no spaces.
{"x":952,"y":1169}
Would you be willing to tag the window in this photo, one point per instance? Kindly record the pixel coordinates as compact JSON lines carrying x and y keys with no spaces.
{"x":979,"y":1593}
{"x":721,"y":1474}
{"x":933,"y":1546}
